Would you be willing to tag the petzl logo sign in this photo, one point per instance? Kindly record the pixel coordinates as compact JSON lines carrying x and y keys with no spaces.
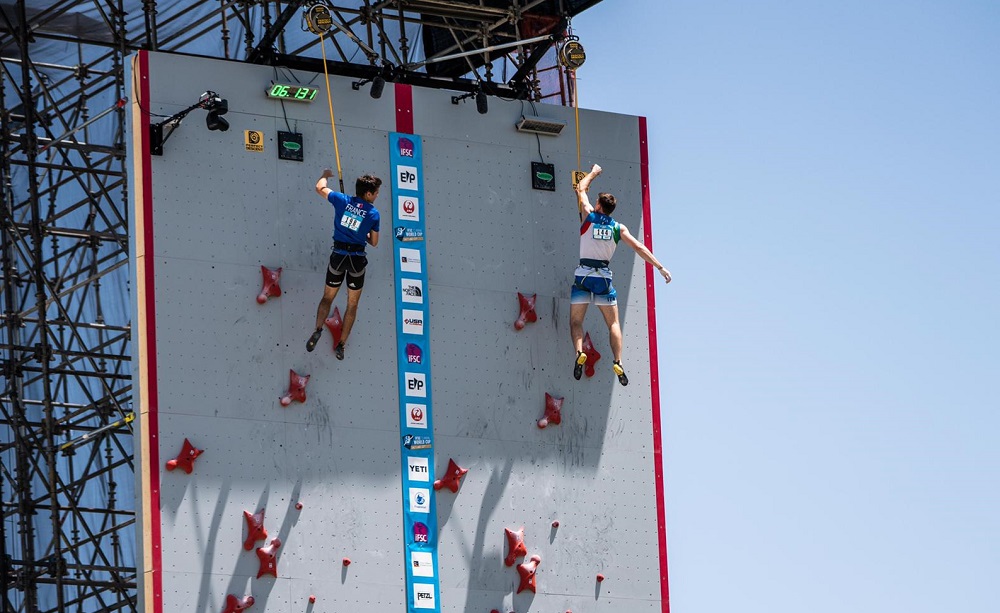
{"x":406,"y":177}
{"x":416,"y":415}
{"x":421,"y":564}
{"x":414,"y":355}
{"x":413,"y":291}
{"x":253,"y":140}
{"x":416,"y":384}
{"x":406,"y":147}
{"x":409,"y":208}
{"x":420,"y":500}
{"x":420,"y":533}
{"x":413,"y":322}
{"x":423,"y":596}
{"x":409,"y":260}
{"x":418,"y":469}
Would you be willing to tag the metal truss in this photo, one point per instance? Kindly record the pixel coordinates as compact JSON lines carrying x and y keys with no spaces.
{"x":66,"y":449}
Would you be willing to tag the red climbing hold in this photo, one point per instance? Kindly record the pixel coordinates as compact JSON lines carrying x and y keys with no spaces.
{"x":347,"y":562}
{"x":592,"y":355}
{"x":298,"y":506}
{"x":271,"y":287}
{"x":267,"y":556}
{"x":296,"y":388}
{"x":234,"y":604}
{"x":600,"y":577}
{"x":335,"y":323}
{"x":527,"y":572}
{"x":553,"y":411}
{"x":555,"y":524}
{"x":515,"y":545}
{"x":185,"y":459}
{"x":312,"y":599}
{"x":255,"y":528}
{"x":527,"y":311}
{"x":452,"y":478}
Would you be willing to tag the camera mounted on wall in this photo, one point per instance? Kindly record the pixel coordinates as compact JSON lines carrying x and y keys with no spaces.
{"x":216,"y":105}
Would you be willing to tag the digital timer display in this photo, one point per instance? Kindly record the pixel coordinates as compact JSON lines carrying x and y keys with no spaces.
{"x":295,"y":93}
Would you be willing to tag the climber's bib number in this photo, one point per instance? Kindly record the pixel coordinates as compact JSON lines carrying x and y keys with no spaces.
{"x":602,"y":233}
{"x":350,"y":221}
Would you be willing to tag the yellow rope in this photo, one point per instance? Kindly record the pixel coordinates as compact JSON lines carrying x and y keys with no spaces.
{"x":333,"y":123}
{"x":576,"y":110}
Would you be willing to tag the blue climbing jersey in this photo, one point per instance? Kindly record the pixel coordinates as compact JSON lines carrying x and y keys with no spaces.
{"x":354,"y":218}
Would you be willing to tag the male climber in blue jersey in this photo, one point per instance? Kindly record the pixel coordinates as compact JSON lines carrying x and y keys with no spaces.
{"x":599,"y":235}
{"x":356,"y":222}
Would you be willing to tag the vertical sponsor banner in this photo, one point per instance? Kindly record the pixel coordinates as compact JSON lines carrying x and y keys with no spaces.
{"x":413,"y":358}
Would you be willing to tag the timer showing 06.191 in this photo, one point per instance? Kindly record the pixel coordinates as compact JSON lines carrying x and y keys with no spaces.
{"x":294,"y":93}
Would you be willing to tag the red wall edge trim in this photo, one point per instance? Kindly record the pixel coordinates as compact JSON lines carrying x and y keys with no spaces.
{"x":654,"y":375}
{"x":404,"y":108}
{"x":152,"y":427}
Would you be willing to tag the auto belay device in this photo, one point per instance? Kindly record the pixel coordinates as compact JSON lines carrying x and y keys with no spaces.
{"x":571,"y":54}
{"x":318,"y":18}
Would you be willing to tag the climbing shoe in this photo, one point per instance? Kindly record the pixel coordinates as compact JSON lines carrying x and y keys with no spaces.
{"x":581,"y":359}
{"x":311,"y":343}
{"x":339,"y":350}
{"x":622,"y":378}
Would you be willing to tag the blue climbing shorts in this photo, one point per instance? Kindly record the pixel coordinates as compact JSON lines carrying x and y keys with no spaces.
{"x":593,"y":286}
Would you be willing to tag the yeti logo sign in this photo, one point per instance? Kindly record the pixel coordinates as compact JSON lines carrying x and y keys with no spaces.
{"x":406,"y":178}
{"x":406,"y":147}
{"x":418,"y":469}
{"x":416,"y":384}
{"x":423,"y":596}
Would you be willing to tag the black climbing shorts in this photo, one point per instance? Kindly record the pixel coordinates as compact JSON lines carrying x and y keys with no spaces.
{"x":350,"y":266}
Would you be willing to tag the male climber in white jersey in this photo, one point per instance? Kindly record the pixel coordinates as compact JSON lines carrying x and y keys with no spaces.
{"x":599,"y":235}
{"x":356,"y":222}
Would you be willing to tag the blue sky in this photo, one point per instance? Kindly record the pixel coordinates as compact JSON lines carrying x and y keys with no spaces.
{"x":826,"y":191}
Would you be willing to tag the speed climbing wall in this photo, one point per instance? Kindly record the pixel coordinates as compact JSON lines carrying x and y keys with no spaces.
{"x":274,"y":479}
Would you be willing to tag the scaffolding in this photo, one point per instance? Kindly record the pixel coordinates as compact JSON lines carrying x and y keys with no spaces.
{"x":66,"y":449}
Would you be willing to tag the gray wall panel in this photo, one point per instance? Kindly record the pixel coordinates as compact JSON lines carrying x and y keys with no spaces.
{"x":221,"y":212}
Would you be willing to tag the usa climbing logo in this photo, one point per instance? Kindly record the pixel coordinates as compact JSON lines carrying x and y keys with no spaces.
{"x":414,"y":355}
{"x":406,"y":147}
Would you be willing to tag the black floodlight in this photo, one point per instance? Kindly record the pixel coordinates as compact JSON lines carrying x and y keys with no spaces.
{"x":216,"y":106}
{"x":482,"y":103}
